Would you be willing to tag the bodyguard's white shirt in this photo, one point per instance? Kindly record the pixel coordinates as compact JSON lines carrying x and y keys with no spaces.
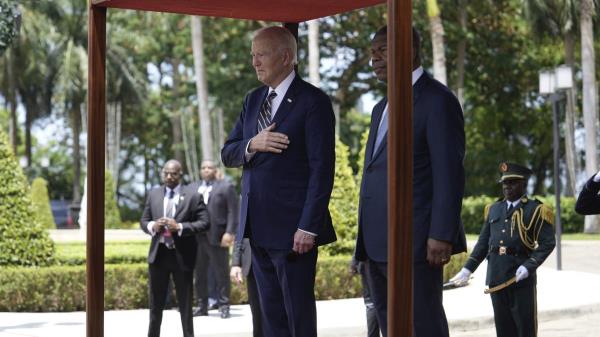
{"x":176,"y":195}
{"x":416,"y":74}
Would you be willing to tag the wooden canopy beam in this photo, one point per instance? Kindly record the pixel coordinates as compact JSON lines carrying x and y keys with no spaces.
{"x":399,"y":153}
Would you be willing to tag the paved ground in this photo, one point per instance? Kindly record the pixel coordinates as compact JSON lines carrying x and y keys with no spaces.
{"x":568,"y":304}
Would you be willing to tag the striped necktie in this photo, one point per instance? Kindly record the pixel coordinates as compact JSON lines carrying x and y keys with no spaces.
{"x":169,"y":213}
{"x":264,"y":117}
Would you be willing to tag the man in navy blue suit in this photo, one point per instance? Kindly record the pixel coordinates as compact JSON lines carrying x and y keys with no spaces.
{"x":284,"y":139}
{"x":438,"y":186}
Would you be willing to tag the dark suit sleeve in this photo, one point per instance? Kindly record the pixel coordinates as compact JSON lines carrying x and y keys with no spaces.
{"x":546,"y":242}
{"x":588,"y":201}
{"x":198,"y":222}
{"x":147,"y":214}
{"x":233,"y":209}
{"x":320,"y":148}
{"x":233,"y":153}
{"x":236,"y":255}
{"x":446,"y":140}
{"x":481,"y":249}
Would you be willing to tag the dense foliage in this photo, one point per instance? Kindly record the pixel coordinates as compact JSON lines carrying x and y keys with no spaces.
{"x":23,"y":240}
{"x":41,"y":203}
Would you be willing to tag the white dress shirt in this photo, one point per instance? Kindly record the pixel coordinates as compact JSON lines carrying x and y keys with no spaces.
{"x":176,"y":197}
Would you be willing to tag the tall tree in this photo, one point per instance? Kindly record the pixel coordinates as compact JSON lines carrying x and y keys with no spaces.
{"x":436,"y":29}
{"x":550,"y":18}
{"x":313,"y":53}
{"x":590,"y":105}
{"x":206,"y":138}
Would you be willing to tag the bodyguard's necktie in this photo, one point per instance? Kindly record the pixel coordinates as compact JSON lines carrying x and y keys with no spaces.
{"x":381,"y":132}
{"x":264,"y":116}
{"x":169,"y":213}
{"x":510,"y":208}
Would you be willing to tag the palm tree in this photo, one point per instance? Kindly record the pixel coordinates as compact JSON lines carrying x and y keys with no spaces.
{"x":590,"y":103}
{"x":437,"y":41}
{"x":549,"y":18}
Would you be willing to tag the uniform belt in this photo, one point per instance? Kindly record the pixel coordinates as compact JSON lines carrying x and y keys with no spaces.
{"x":504,"y":250}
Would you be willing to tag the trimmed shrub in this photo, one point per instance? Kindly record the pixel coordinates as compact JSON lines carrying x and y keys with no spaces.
{"x":23,"y":241}
{"x":41,"y":203}
{"x":343,"y":205}
{"x":62,"y":288}
{"x":125,"y":252}
{"x":112,"y":217}
{"x":472,"y":212}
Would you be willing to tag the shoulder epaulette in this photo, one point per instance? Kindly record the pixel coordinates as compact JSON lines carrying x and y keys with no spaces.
{"x":486,"y":211}
{"x":547,"y":213}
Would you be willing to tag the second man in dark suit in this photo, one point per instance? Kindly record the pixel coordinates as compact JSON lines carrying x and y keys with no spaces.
{"x":588,"y":201}
{"x":213,"y":246}
{"x":438,"y":186}
{"x":172,"y":216}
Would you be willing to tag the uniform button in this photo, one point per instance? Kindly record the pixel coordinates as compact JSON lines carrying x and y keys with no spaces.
{"x":501,"y":241}
{"x":506,"y":220}
{"x":504,"y":230}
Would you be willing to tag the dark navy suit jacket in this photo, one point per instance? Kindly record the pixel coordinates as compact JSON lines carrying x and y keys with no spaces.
{"x":288,"y":191}
{"x":438,"y":176}
{"x":588,"y":201}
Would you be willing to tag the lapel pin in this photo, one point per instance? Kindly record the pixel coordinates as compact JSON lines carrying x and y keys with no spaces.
{"x":289,"y":100}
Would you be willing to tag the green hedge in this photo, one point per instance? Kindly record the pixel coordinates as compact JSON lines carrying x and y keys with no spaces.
{"x":62,"y":288}
{"x":472,"y":213}
{"x":73,"y":254}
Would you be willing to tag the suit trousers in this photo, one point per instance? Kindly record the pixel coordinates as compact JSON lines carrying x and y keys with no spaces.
{"x":286,"y":284}
{"x":217,"y":258}
{"x":254,"y":301}
{"x":515,"y":310}
{"x":371,"y":311}
{"x":160,"y":272}
{"x":429,"y":318}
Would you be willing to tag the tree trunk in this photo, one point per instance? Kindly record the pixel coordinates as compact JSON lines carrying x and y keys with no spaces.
{"x":313,"y":53}
{"x":176,"y":116}
{"x":28,"y":122}
{"x":461,"y":52}
{"x":570,"y":150}
{"x":437,"y":41}
{"x":76,"y":117}
{"x":206,"y":138}
{"x":590,"y":114}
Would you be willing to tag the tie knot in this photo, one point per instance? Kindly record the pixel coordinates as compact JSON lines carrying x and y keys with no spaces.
{"x":272,"y":95}
{"x":171,"y":194}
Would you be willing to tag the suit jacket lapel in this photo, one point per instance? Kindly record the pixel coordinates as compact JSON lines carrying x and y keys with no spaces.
{"x":179,"y":206}
{"x":158,"y":207}
{"x":255,"y":110}
{"x":377,"y":114}
{"x":288,"y":102}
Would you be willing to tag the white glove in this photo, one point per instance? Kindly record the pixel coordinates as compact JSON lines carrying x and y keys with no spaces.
{"x":461,"y":278}
{"x":521,"y":273}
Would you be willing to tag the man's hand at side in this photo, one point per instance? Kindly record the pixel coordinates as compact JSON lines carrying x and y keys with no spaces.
{"x":438,"y":252}
{"x":269,"y":141}
{"x":303,"y":242}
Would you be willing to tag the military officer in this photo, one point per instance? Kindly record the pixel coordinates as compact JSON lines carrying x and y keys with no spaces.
{"x":516,"y":238}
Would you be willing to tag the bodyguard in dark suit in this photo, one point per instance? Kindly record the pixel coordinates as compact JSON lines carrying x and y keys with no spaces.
{"x":438,"y":186}
{"x":213,"y":246}
{"x":588,"y":201}
{"x":516,"y":238}
{"x":284,"y":139}
{"x":172,"y":216}
{"x":241,"y":267}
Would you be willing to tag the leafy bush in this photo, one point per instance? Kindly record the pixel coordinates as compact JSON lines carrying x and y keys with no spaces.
{"x":62,"y":288}
{"x":73,"y":254}
{"x":112,"y":218}
{"x":343,"y":205}
{"x":23,"y":241}
{"x":472,"y":213}
{"x":41,"y":203}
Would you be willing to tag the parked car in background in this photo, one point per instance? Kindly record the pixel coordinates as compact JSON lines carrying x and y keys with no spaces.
{"x":62,"y":214}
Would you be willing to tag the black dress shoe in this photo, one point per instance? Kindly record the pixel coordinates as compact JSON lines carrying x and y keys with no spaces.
{"x":200,"y":312}
{"x":224,"y":312}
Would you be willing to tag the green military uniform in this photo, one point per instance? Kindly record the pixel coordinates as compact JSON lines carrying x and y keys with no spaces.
{"x":521,"y":236}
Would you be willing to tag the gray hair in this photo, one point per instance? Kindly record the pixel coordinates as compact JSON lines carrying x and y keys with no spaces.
{"x":283,"y":38}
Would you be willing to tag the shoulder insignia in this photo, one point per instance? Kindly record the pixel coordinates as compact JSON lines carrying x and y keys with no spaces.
{"x":547,"y":213}
{"x":524,"y":200}
{"x":486,"y":211}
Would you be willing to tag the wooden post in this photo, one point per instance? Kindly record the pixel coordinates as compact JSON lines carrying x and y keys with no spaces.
{"x":400,"y":169}
{"x":95,"y":171}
